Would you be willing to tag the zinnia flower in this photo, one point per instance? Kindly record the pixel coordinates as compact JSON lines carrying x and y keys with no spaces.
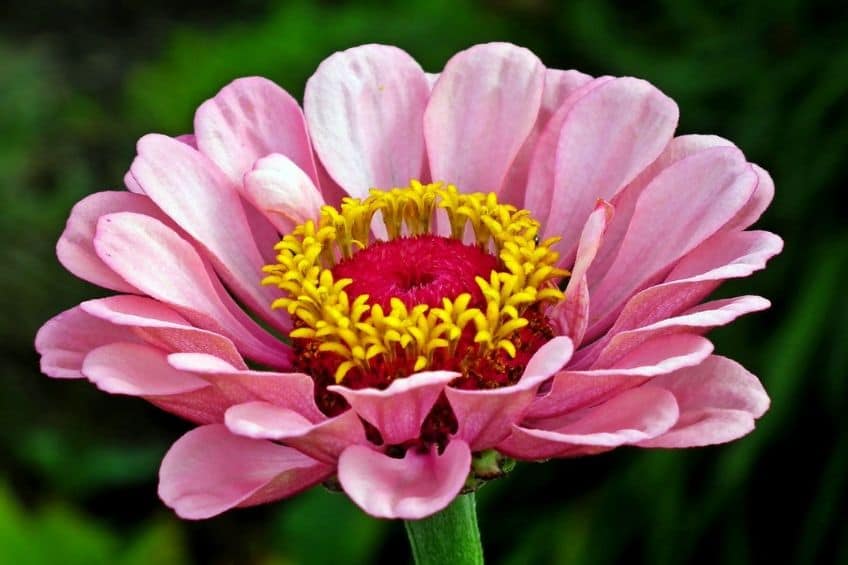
{"x":499,"y":260}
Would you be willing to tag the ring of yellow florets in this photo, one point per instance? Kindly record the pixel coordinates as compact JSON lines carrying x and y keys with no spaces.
{"x":362,"y":334}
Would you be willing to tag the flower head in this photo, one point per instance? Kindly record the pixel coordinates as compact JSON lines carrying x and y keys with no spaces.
{"x":415,"y":277}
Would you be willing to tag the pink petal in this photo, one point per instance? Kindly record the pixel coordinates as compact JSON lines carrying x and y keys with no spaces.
{"x":411,"y":488}
{"x":575,"y":388}
{"x":699,"y":319}
{"x":65,"y":340}
{"x":480,"y":113}
{"x":142,"y":370}
{"x":542,"y":167}
{"x":75,"y":248}
{"x":625,"y":202}
{"x":209,"y":470}
{"x":725,"y":256}
{"x":609,"y":136}
{"x":248,"y":119}
{"x":282,"y":192}
{"x":485,"y":417}
{"x":154,"y":259}
{"x":162,"y":326}
{"x":364,"y":108}
{"x":136,"y":370}
{"x":399,"y":410}
{"x":572,"y":314}
{"x":559,"y":85}
{"x":201,"y":200}
{"x":718,"y":401}
{"x":758,"y":203}
{"x":633,"y":416}
{"x":683,"y":206}
{"x":323,"y":441}
{"x":292,"y":391}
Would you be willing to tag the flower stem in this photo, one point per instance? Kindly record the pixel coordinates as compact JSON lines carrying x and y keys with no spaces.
{"x":451,"y":536}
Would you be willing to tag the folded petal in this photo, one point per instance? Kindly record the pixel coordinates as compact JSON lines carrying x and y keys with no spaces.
{"x":323,"y":441}
{"x":633,"y":416}
{"x":282,"y":192}
{"x":65,"y":340}
{"x":542,"y":167}
{"x":399,"y":410}
{"x":485,"y":417}
{"x":481,"y":111}
{"x":609,"y":136}
{"x":559,"y":85}
{"x":683,"y":206}
{"x":760,"y":200}
{"x":157,"y":261}
{"x":248,"y":119}
{"x":194,"y":193}
{"x":136,"y":369}
{"x":718,"y":401}
{"x":364,"y":107}
{"x":209,"y":470}
{"x":292,"y":391}
{"x":575,"y":388}
{"x":625,"y":202}
{"x":75,"y":248}
{"x":699,"y":319}
{"x":411,"y":488}
{"x":572,"y":314}
{"x":161,"y":326}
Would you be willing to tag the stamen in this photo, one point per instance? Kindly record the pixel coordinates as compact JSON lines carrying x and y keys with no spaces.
{"x":482,"y":310}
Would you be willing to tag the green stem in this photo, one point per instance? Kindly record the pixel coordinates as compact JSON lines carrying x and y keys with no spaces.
{"x":451,"y":536}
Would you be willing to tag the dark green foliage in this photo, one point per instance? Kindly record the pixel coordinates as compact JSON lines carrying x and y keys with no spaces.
{"x":79,"y":82}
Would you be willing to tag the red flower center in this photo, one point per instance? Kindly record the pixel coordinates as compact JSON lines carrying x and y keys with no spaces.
{"x":418,"y":270}
{"x":368,"y":311}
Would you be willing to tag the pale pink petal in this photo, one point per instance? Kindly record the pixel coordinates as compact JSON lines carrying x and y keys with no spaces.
{"x":758,"y":203}
{"x":157,"y":261}
{"x":699,"y":319}
{"x":633,"y":416}
{"x":323,"y":441}
{"x":559,"y":85}
{"x":193,"y":192}
{"x":142,"y":370}
{"x":248,"y":119}
{"x":609,"y":136}
{"x":411,"y":488}
{"x":136,"y":370}
{"x":364,"y":108}
{"x":65,"y":340}
{"x":161,"y":326}
{"x":572,"y":314}
{"x":282,"y":192}
{"x":718,"y":401}
{"x":575,"y":388}
{"x":481,"y":111}
{"x":399,"y":410}
{"x":727,"y":255}
{"x":485,"y":417}
{"x":75,"y":248}
{"x":132,"y":184}
{"x":292,"y":391}
{"x":542,"y":167}
{"x":130,"y":181}
{"x":625,"y":202}
{"x":209,"y":470}
{"x":683,"y":206}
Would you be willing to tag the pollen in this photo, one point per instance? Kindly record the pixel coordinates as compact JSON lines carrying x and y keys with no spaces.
{"x":416,"y":278}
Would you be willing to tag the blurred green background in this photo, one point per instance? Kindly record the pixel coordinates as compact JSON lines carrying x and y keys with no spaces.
{"x":80,"y":81}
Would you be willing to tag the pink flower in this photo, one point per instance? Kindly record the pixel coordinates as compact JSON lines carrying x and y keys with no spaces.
{"x":414,"y":330}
